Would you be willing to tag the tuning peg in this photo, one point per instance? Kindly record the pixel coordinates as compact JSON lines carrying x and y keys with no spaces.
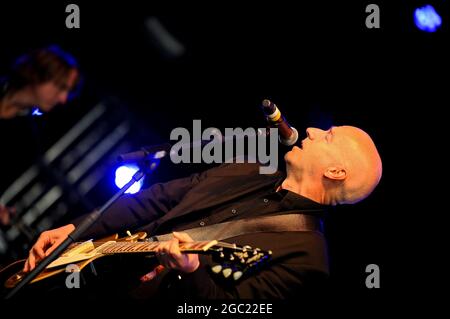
{"x":216,"y":269}
{"x":135,"y":237}
{"x":246,"y":247}
{"x":242,"y":261}
{"x":237,"y":275}
{"x":257,"y":251}
{"x":231,"y":257}
{"x":227,"y":272}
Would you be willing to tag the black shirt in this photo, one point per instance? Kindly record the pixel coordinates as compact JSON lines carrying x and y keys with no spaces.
{"x":264,"y":202}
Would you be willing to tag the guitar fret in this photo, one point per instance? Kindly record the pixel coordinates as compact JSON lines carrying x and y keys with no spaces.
{"x":139,"y":247}
{"x":128,"y":248}
{"x":117,"y":247}
{"x":149,"y":246}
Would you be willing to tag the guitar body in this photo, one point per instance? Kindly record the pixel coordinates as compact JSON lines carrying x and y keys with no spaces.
{"x":13,"y":274}
{"x":91,"y":273}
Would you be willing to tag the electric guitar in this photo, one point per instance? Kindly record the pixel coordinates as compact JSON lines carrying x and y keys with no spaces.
{"x":233,"y":260}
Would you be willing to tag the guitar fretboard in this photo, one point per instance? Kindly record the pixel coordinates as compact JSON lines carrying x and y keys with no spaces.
{"x":142,"y":247}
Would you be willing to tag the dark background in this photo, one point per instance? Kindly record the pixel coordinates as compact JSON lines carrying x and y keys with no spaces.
{"x":317,"y":61}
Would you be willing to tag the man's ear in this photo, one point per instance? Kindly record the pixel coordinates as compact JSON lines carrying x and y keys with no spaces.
{"x":336,"y":173}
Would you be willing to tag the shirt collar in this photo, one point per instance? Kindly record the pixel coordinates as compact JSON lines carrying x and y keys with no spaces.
{"x":291,"y":200}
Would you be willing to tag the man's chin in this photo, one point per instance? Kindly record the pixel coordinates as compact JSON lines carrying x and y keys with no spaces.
{"x":293,"y":155}
{"x":287,"y":157}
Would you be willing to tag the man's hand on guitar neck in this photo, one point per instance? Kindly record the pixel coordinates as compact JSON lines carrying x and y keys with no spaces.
{"x":170,"y":256}
{"x":46,"y":243}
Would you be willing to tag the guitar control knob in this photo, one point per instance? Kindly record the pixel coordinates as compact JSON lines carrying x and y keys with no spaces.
{"x":227,"y":272}
{"x":237,"y":275}
{"x":216,"y":269}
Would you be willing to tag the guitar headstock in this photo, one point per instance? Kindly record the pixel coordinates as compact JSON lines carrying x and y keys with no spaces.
{"x":234,"y":261}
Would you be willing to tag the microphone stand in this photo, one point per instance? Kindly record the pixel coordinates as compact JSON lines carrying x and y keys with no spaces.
{"x":145,"y":168}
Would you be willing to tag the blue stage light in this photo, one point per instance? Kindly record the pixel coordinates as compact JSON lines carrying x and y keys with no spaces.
{"x":124,"y":174}
{"x":427,"y":19}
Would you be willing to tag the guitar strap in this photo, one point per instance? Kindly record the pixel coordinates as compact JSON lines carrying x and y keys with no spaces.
{"x":278,"y":223}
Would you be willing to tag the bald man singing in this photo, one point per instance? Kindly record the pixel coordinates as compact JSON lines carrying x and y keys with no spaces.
{"x":337,"y":166}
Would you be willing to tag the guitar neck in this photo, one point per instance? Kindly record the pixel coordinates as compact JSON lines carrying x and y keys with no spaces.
{"x":151,"y":247}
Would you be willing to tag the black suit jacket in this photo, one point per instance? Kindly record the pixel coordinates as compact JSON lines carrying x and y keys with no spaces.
{"x":299,"y":258}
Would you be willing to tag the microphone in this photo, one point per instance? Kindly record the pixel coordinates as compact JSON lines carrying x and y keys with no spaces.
{"x":146,"y":152}
{"x":288,"y":134}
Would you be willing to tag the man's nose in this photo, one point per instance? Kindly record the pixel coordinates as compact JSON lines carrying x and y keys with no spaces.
{"x":313,"y":132}
{"x":310,"y":133}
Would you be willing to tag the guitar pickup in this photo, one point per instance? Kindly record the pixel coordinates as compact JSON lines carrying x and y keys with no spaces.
{"x":81,"y":252}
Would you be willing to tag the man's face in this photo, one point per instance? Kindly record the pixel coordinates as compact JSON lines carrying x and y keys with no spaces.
{"x":340,"y":153}
{"x":318,"y":150}
{"x":50,"y":94}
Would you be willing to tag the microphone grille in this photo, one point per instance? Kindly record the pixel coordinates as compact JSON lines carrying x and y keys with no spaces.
{"x":268,"y":107}
{"x":266,"y":103}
